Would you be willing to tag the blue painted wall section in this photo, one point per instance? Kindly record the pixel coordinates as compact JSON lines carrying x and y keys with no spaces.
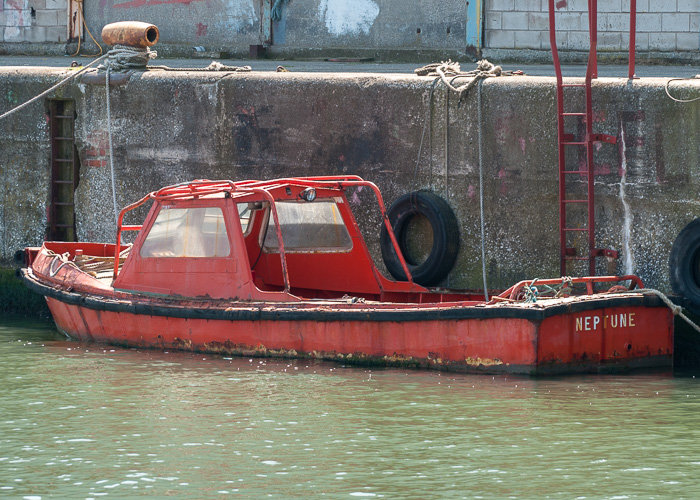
{"x":475,"y":15}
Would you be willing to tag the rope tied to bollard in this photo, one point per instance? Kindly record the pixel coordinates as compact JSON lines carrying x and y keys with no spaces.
{"x":49,"y":90}
{"x":125,"y":58}
{"x":448,"y":73}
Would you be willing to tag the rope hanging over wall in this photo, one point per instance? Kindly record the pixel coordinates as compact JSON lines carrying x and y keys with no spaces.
{"x":449,"y":73}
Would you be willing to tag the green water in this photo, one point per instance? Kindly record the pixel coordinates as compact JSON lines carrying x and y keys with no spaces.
{"x":90,"y":421}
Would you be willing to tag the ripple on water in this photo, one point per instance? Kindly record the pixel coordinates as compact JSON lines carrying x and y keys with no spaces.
{"x":293,"y":429}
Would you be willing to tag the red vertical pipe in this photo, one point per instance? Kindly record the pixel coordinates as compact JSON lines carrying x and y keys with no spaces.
{"x":560,"y":136}
{"x":593,"y":33}
{"x":591,"y":72}
{"x":633,"y":36}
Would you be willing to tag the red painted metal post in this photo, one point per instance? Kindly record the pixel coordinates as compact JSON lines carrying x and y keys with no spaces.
{"x":591,"y":73}
{"x":593,"y":33}
{"x":560,"y":134}
{"x":633,"y":37}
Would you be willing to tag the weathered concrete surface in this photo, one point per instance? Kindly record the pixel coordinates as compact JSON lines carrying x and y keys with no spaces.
{"x":305,"y":27}
{"x":174,"y":126}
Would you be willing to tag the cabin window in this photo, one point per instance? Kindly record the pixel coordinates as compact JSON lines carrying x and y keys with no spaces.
{"x":245,"y":213}
{"x":317,"y":227}
{"x":187,"y":232}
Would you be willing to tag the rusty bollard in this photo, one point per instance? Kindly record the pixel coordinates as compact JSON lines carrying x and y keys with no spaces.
{"x":131,"y":34}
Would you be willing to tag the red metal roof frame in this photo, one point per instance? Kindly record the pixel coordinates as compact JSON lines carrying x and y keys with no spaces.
{"x":203,"y":187}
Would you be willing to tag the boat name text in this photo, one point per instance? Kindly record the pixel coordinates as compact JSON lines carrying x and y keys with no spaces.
{"x":618,"y":320}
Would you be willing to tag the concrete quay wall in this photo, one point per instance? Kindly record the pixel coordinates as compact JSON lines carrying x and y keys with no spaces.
{"x":395,"y":130}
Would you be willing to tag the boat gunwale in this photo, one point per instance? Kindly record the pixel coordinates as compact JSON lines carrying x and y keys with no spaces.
{"x":231,"y":310}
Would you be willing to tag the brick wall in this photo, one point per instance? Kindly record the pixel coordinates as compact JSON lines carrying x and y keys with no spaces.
{"x":662,"y":25}
{"x":34,"y":21}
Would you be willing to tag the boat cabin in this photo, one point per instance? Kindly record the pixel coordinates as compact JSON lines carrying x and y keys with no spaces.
{"x":284,"y":240}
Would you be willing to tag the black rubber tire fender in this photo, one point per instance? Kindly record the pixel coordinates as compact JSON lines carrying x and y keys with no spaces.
{"x":684,"y":263}
{"x":445,"y":246}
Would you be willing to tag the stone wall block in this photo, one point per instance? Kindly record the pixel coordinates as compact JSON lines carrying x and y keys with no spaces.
{"x":610,"y":41}
{"x":695,"y":22}
{"x":648,"y":22}
{"x":57,"y":34}
{"x":578,"y":40}
{"x":687,"y":41}
{"x":36,"y":34}
{"x":675,"y":22}
{"x":642,"y":5}
{"x":689,"y":6}
{"x":663,"y":42}
{"x":575,"y":6}
{"x":613,"y":6}
{"x":571,"y":21}
{"x":538,"y":21}
{"x":528,"y":40}
{"x":562,"y":39}
{"x":515,"y":20}
{"x":48,"y":17}
{"x":662,"y":5}
{"x":57,"y":5}
{"x":641,"y":41}
{"x":13,"y":34}
{"x":529,"y":5}
{"x":493,"y":20}
{"x":500,"y":39}
{"x":37,"y":5}
{"x":500,"y":5}
{"x":613,"y":22}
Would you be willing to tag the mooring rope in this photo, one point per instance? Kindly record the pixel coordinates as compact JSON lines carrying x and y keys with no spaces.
{"x":48,"y":91}
{"x":111,"y":154}
{"x":668,"y":93}
{"x":452,"y":70}
{"x":448,"y":73}
{"x":675,"y":309}
{"x":124,"y":58}
{"x":481,"y":187}
{"x":214,"y":66}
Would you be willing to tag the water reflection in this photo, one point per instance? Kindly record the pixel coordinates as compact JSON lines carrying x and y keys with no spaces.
{"x":84,"y":421}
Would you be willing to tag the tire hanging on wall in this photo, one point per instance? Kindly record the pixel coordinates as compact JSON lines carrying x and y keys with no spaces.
{"x":445,"y":237}
{"x":684,"y":263}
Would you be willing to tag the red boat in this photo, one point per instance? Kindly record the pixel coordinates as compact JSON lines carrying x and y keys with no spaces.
{"x":280,"y":268}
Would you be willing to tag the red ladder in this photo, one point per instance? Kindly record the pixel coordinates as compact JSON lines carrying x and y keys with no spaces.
{"x":567,"y":141}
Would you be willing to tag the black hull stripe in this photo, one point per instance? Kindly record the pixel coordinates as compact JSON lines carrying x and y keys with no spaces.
{"x":238,"y":311}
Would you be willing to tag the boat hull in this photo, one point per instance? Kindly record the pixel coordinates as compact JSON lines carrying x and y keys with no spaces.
{"x":612,"y":334}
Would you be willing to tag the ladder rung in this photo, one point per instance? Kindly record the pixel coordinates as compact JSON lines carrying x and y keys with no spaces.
{"x":574,"y":201}
{"x":573,"y":84}
{"x":63,"y":182}
{"x":573,"y":114}
{"x":566,"y":257}
{"x":570,"y":143}
{"x":70,"y":117}
{"x":575,"y":172}
{"x":567,"y":229}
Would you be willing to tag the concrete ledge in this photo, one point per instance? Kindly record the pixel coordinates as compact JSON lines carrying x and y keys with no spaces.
{"x":174,"y":126}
